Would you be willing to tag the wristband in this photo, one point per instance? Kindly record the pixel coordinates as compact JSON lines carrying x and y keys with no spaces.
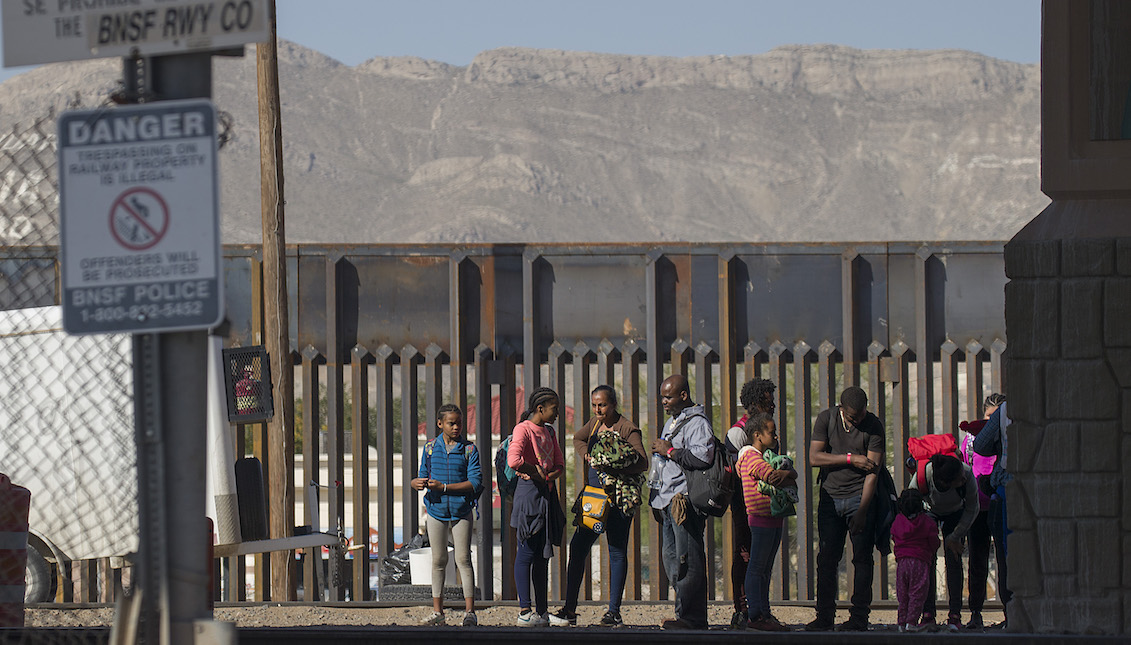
{"x":445,"y":489}
{"x":670,"y":450}
{"x":848,"y":459}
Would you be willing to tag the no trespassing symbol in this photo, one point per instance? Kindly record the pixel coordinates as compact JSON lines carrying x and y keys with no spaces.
{"x":139,"y":219}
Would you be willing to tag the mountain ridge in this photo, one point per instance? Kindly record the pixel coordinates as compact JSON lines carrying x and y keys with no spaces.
{"x":799,"y":144}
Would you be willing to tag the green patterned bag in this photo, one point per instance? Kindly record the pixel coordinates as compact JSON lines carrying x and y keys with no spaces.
{"x":612,"y":451}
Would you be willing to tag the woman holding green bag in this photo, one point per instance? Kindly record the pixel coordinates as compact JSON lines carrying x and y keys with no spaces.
{"x":613,"y":450}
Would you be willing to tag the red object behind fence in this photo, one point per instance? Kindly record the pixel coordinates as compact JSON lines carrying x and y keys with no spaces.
{"x":15,"y":503}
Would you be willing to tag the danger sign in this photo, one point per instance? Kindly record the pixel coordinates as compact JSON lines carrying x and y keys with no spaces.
{"x":139,"y":218}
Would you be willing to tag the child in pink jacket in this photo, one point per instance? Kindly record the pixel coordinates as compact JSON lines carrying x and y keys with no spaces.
{"x":915,"y":536}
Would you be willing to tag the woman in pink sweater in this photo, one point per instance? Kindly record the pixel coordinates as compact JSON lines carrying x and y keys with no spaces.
{"x":536,"y":514}
{"x":915,"y":536}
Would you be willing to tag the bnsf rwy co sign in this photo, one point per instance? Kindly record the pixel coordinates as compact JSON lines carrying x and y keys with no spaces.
{"x":47,"y":31}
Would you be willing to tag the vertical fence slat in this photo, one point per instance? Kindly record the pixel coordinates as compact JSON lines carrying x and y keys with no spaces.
{"x":531,"y":345}
{"x":457,"y":323}
{"x":805,"y":482}
{"x":753,"y":357}
{"x":311,"y":468}
{"x":704,"y":393}
{"x":335,"y":413}
{"x":924,"y":366}
{"x":410,"y":443}
{"x":486,"y":554}
{"x":997,"y":377}
{"x":680,"y":359}
{"x":974,"y":385}
{"x":728,"y":390}
{"x":948,"y":374}
{"x":654,"y":371}
{"x":901,"y":412}
{"x":877,"y":401}
{"x":384,"y":440}
{"x":848,"y":303}
{"x":582,"y":359}
{"x":434,"y":386}
{"x":359,"y":388}
{"x":507,"y":422}
{"x":606,"y":375}
{"x":778,"y":361}
{"x":877,"y":395}
{"x":630,"y":400}
{"x":826,"y":375}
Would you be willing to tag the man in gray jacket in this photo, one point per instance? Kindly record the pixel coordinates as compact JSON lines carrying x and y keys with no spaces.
{"x":686,"y":443}
{"x":951,"y":495}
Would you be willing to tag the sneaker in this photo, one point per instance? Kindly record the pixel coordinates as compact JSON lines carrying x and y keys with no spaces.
{"x":738,"y":620}
{"x":530,"y":619}
{"x":469,"y":619}
{"x":975,"y":624}
{"x":436,"y":619}
{"x":927,"y":623}
{"x":853,"y":624}
{"x":902,"y":628}
{"x":611,"y":619}
{"x":819,"y":624}
{"x":562,"y":618}
{"x":913,"y":627}
{"x":953,"y":621}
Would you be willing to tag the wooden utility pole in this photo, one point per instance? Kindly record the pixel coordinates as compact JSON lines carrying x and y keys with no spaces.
{"x":280,"y":429}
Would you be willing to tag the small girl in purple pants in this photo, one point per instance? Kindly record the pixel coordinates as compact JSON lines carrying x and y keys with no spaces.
{"x":915,"y":536}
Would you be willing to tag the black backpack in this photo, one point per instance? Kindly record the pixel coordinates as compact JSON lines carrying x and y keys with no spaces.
{"x":711,"y":489}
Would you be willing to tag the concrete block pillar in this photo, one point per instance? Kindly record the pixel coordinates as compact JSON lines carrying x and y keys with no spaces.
{"x":1068,"y":370}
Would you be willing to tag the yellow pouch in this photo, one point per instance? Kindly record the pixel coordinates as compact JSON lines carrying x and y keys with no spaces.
{"x":592,"y":508}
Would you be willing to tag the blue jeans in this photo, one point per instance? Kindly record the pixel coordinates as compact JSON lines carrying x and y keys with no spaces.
{"x":954,"y":573}
{"x":999,"y":528}
{"x":685,"y":561}
{"x":531,"y":567}
{"x":617,"y":527}
{"x":764,"y":543}
{"x":833,"y":518}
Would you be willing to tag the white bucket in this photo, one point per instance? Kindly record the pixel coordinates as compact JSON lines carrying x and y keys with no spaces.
{"x":420,"y":566}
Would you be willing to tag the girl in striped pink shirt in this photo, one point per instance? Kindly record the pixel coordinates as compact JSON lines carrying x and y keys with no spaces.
{"x":765,"y":529}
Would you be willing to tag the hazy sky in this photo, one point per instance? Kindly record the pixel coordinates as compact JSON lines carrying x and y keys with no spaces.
{"x":453,"y":31}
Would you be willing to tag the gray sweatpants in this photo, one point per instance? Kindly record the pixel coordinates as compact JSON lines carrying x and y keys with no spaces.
{"x":461,"y":539}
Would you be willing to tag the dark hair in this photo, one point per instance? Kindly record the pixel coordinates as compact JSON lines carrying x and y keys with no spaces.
{"x":854,"y":398}
{"x":910,"y":502}
{"x":945,"y":468}
{"x":755,"y":391}
{"x":756,"y":424}
{"x":609,"y":391}
{"x":445,"y":409}
{"x":992,"y":401}
{"x":541,"y":396}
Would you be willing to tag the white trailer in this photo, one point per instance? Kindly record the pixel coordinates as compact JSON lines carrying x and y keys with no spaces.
{"x":67,"y":435}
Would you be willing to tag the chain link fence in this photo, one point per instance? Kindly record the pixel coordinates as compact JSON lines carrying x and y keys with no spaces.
{"x":67,"y":416}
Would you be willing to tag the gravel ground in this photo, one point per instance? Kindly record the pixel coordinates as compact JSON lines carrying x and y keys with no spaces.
{"x":298,"y":615}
